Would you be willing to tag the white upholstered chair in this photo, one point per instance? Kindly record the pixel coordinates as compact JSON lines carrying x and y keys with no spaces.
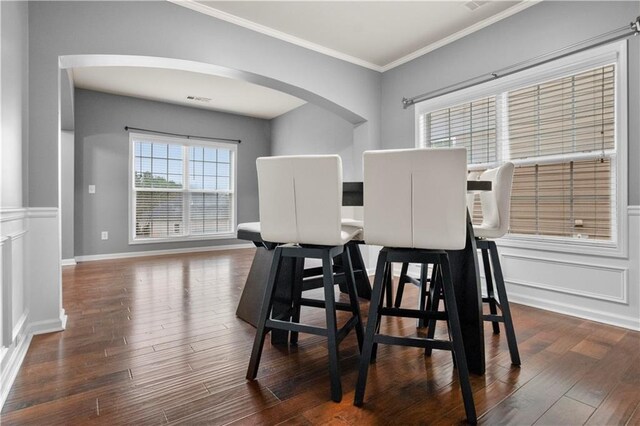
{"x":300,"y":207}
{"x":495,"y":224}
{"x":427,"y":189}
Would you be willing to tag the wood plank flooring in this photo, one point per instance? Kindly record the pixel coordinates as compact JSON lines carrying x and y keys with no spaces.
{"x":155,"y":340}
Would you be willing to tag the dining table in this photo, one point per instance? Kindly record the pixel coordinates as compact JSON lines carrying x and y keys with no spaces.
{"x":464,"y":271}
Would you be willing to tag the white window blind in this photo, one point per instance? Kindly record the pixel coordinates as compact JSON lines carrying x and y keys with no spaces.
{"x":560,"y":134}
{"x":181,"y":189}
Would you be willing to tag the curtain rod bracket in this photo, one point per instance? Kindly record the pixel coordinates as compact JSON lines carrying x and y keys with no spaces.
{"x":635,"y":26}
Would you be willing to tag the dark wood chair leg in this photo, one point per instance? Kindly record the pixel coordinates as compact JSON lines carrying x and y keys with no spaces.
{"x":389,"y":288}
{"x":490,"y":294}
{"x":353,"y":296}
{"x":367,"y":347}
{"x":434,"y":294}
{"x":456,"y":337}
{"x":297,"y":296}
{"x":388,"y":268}
{"x":401,"y":282}
{"x":423,"y":293}
{"x":504,"y":304}
{"x":332,"y":329}
{"x":262,"y":330}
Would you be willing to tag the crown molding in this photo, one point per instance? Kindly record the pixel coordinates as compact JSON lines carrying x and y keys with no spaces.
{"x":216,"y":13}
{"x":463,"y":33}
{"x":219,"y":14}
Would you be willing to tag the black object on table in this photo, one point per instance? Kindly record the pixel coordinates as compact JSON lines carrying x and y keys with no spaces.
{"x":464,"y":271}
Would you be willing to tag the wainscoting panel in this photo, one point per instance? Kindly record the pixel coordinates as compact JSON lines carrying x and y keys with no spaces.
{"x":580,"y":279}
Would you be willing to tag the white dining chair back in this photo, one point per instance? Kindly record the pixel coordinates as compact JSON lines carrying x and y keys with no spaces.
{"x":415,"y":198}
{"x":300,"y":199}
{"x":496,"y":203}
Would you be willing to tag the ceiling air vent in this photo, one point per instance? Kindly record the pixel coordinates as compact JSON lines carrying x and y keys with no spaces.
{"x":474,"y":4}
{"x":198,"y":99}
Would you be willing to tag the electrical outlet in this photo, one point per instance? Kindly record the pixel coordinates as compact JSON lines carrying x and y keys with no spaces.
{"x":105,"y":235}
{"x":92,"y":189}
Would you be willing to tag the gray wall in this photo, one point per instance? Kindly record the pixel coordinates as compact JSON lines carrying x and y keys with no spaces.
{"x":164,"y":29}
{"x":309,"y":129}
{"x":102,"y":152}
{"x":540,"y":29}
{"x":67,"y":193}
{"x":15,"y":103}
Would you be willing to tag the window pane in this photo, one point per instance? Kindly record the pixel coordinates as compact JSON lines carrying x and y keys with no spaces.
{"x":567,"y":115}
{"x":153,"y":169}
{"x":211,"y":213}
{"x":158,"y":214}
{"x":570,"y":200}
{"x":224,"y":155}
{"x":471,"y":125}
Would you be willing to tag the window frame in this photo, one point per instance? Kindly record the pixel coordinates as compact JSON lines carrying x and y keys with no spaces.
{"x":185,"y":143}
{"x":614,"y":53}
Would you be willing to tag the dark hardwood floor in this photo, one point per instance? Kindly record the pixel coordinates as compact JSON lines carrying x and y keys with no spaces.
{"x":155,"y":340}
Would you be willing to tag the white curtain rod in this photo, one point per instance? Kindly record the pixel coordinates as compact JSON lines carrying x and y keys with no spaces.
{"x":632,"y":29}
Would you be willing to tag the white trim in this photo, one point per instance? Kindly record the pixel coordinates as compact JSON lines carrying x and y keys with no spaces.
{"x":42,"y":212}
{"x":624,"y":321}
{"x":271,"y":32}
{"x":245,"y":23}
{"x":12,"y":367}
{"x":20,"y":325}
{"x":8,"y":215}
{"x":162,"y":252}
{"x":68,"y":262}
{"x":603,"y":55}
{"x":634,"y":210}
{"x":624,"y":274}
{"x":460,"y":34}
{"x":184,"y":143}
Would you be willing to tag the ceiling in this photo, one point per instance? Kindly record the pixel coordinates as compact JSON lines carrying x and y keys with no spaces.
{"x":175,"y":86}
{"x":375,"y":34}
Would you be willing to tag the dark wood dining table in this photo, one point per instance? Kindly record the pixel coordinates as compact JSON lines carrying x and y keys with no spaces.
{"x":464,"y":270}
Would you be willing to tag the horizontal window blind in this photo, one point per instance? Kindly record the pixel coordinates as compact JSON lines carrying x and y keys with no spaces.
{"x":471,"y":125}
{"x":181,"y":190}
{"x":560,"y":134}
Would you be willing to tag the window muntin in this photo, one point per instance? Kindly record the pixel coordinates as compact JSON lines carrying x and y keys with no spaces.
{"x":181,"y":189}
{"x":561,"y":136}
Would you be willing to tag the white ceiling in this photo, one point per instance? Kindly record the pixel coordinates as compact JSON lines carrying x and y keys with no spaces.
{"x":173,"y":86}
{"x":376,"y":34}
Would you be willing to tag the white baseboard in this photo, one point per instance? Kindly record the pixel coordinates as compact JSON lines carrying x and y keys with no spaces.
{"x":10,"y":372}
{"x":68,"y":262}
{"x":576,"y":311}
{"x":162,"y":252}
{"x":49,"y":326}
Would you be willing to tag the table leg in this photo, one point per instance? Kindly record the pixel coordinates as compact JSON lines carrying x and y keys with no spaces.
{"x":466,"y":279}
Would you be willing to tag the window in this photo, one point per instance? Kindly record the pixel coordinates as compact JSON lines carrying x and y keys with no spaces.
{"x":563,"y":127}
{"x":181,"y":189}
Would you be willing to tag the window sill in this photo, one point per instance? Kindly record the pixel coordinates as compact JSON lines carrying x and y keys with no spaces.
{"x":228,"y":235}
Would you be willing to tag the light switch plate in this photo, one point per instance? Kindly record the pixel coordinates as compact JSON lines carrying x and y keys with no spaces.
{"x":92,"y":189}
{"x":105,"y":235}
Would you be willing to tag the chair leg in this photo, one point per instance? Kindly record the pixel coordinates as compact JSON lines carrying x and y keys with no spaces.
{"x":296,"y":296}
{"x":353,"y":295}
{"x":401,"y":283}
{"x":504,"y":303}
{"x":388,"y":287}
{"x":388,"y":267}
{"x":265,"y":311}
{"x":367,"y":347}
{"x":332,"y":330}
{"x":422,"y":293}
{"x":490,"y":294}
{"x":434,"y":294}
{"x":456,"y":334}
